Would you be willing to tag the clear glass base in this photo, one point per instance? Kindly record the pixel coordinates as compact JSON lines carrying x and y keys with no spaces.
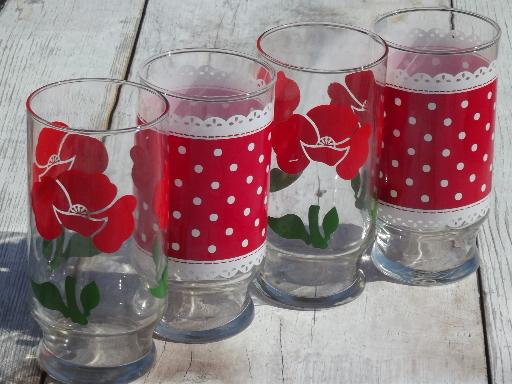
{"x":68,"y":372}
{"x":233,"y":327}
{"x":426,"y":258}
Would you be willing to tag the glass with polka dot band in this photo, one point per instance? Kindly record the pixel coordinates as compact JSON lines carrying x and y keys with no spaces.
{"x":328,"y":116}
{"x":212,"y":194}
{"x":436,"y":154}
{"x":96,"y":295}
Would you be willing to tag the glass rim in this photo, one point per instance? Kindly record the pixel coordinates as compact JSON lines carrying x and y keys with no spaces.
{"x":134,"y":128}
{"x":283,"y":64}
{"x":209,"y":99}
{"x":452,"y":51}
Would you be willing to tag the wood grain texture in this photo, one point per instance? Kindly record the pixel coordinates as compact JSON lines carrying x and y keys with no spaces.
{"x":495,"y":239}
{"x":392,"y":333}
{"x":43,"y":41}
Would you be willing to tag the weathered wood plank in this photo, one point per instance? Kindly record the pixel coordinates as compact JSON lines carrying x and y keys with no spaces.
{"x":495,"y":239}
{"x":392,"y":333}
{"x":43,"y":41}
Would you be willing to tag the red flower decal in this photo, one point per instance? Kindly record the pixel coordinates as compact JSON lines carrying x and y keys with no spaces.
{"x":84,"y":203}
{"x":331,"y":134}
{"x":59,"y":151}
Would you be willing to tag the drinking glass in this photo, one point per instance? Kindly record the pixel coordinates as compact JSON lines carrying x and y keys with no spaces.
{"x":328,"y":115}
{"x":437,"y":158}
{"x":95,"y":294}
{"x":211,"y":198}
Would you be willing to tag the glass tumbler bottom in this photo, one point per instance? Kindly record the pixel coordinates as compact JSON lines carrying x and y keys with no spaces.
{"x":426,"y":258}
{"x":207,"y":311}
{"x":311,"y":281}
{"x":68,"y":372}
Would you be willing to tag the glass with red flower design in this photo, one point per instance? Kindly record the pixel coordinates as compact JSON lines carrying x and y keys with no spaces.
{"x":96,"y":295}
{"x":211,"y":198}
{"x":437,"y":145}
{"x":327,"y":118}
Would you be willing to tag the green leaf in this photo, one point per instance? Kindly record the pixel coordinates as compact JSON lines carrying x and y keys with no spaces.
{"x":330,"y":223}
{"x":317,"y":240}
{"x":280,"y":180}
{"x":359,"y":187}
{"x":160,"y":289}
{"x":49,"y":297}
{"x":47,"y":249}
{"x":355,"y":183}
{"x":290,"y":227}
{"x":89,"y":297}
{"x":80,"y":246}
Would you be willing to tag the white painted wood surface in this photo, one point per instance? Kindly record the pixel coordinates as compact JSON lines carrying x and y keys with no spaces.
{"x":391,"y":334}
{"x":495,"y":239}
{"x":43,"y":41}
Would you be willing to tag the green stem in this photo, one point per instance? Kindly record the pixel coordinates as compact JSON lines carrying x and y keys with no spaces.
{"x":317,"y":240}
{"x":74,"y":311}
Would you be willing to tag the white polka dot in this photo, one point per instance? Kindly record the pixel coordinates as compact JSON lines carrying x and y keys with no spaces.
{"x":489,"y":95}
{"x":259,"y":190}
{"x":462,"y":135}
{"x":398,"y":101}
{"x":487,"y":126}
{"x":245,"y":243}
{"x":217,"y":152}
{"x":231,"y":199}
{"x":385,"y":114}
{"x":445,"y":152}
{"x":476,"y":116}
{"x":256,"y":222}
{"x":145,"y":206}
{"x":265,"y":200}
{"x":215,"y":185}
{"x":432,"y":106}
{"x":409,"y":181}
{"x":250,"y":147}
{"x":396,"y":133}
{"x":182,"y":150}
{"x":465,"y":65}
{"x":195,"y":232}
{"x":155,"y":227}
{"x":394,"y":163}
{"x":472,"y":177}
{"x":175,"y":246}
{"x":176,"y":214}
{"x":393,"y":193}
{"x":458,"y":196}
{"x":436,"y":61}
{"x":197,"y":201}
{"x":464,"y":104}
{"x":412,"y":120}
{"x":143,"y":237}
{"x":178,"y":182}
{"x":229,"y":231}
{"x":214,"y":217}
{"x":474,"y":147}
{"x":411,"y":151}
{"x":486,"y":156}
{"x":198,"y":168}
{"x":447,"y":122}
{"x":444,"y":183}
{"x":249,"y":179}
{"x":261,"y":158}
{"x":427,"y":137}
{"x":460,"y":166}
{"x":483,"y":187}
{"x":382,"y":145}
{"x":233,"y":167}
{"x":425,"y":198}
{"x":263,"y":232}
{"x":247,"y":211}
{"x":381,"y":175}
{"x":212,"y":248}
{"x":426,"y":168}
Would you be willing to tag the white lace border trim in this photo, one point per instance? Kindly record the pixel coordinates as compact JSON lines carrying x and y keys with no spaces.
{"x":428,"y":220}
{"x":190,"y":270}
{"x":218,"y":128}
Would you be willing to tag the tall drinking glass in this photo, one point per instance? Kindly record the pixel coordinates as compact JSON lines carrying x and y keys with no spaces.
{"x":437,"y":159}
{"x":211,"y":199}
{"x":96,"y":295}
{"x":328,"y":115}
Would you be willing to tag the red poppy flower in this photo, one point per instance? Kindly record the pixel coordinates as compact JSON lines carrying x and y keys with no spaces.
{"x":84,"y":203}
{"x":59,"y":151}
{"x":287,"y":97}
